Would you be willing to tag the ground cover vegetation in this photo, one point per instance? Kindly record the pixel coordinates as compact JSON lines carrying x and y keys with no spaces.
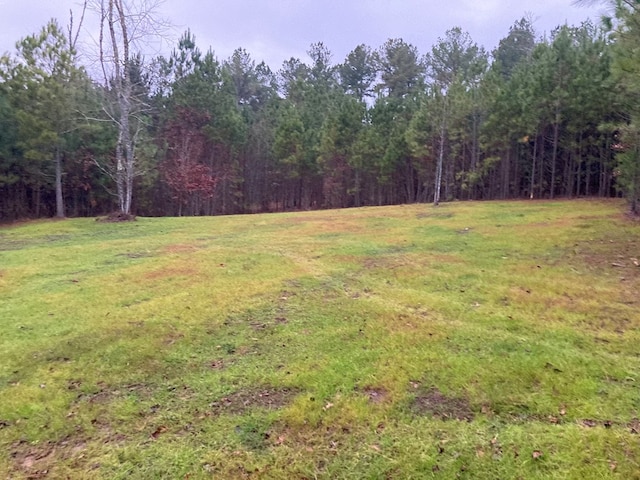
{"x":469,"y":340}
{"x":191,"y":134}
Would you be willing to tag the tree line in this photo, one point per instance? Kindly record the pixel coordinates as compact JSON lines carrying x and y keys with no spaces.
{"x":189,"y":134}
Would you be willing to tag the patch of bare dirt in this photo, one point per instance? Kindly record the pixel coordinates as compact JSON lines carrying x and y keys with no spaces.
{"x":559,"y":223}
{"x":407,"y":262}
{"x":39,"y":461}
{"x":217,"y":364}
{"x":433,"y":402}
{"x":115,"y":217}
{"x":106,"y":393}
{"x":370,"y":263}
{"x":241,"y":401}
{"x":33,"y":461}
{"x":422,"y":215}
{"x":619,"y":255}
{"x":375,"y":394}
{"x":15,"y":223}
{"x":6,"y":245}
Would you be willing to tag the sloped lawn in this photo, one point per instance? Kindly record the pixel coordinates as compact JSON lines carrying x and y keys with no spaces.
{"x":473,"y":340}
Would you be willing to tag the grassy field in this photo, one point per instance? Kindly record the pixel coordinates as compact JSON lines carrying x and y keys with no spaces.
{"x":473,"y":340}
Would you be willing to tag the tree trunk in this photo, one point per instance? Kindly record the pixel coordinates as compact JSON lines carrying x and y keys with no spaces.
{"x":357,"y":187}
{"x":37,"y":197}
{"x":554,"y":156}
{"x":475,"y":154}
{"x":59,"y":197}
{"x":125,"y":162}
{"x":120,"y":189}
{"x":436,"y":195}
{"x":533,"y":166}
{"x":542,"y":167}
{"x":506,"y":170}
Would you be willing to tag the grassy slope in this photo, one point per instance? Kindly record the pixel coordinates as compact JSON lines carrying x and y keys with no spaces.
{"x":473,"y":340}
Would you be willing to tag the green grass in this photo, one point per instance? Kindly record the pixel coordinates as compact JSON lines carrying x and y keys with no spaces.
{"x":473,"y":340}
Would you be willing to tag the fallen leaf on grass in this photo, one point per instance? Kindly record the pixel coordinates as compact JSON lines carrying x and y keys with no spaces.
{"x":159,"y":431}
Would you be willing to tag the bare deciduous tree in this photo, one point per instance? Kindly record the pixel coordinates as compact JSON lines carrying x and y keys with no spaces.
{"x":126,"y":27}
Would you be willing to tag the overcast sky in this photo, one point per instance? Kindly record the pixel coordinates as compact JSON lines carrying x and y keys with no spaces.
{"x":276,"y":30}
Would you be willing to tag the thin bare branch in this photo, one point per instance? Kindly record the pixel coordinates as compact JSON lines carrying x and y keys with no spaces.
{"x":73,"y":39}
